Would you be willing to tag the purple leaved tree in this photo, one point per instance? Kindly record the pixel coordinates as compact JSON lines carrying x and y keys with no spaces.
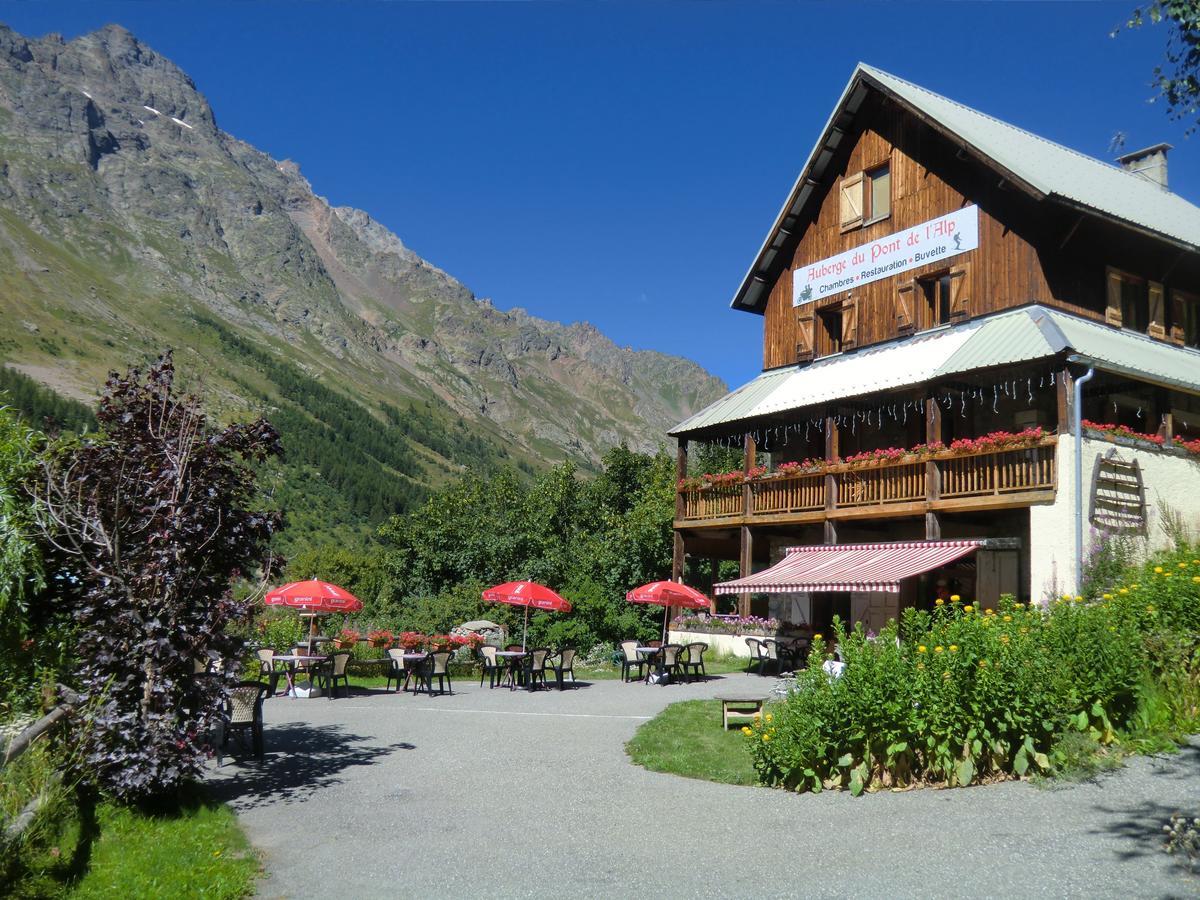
{"x":152,"y":520}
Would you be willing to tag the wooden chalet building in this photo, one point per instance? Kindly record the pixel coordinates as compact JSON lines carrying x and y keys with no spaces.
{"x":936,"y":276}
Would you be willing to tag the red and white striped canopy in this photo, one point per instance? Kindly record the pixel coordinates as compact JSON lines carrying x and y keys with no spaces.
{"x":849,"y":567}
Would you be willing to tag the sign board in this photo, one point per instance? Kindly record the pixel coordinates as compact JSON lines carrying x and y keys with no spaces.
{"x":929,"y":242}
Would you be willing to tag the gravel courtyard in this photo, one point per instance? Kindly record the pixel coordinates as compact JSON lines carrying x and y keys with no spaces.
{"x":491,"y":793}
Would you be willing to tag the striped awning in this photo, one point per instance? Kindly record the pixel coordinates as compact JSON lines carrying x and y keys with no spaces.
{"x":849,"y":567}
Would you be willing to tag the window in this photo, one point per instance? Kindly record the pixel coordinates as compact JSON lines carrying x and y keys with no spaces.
{"x":830,"y":337}
{"x":1185,"y":318}
{"x":1135,"y":304}
{"x":865,"y":197}
{"x":936,"y":292}
{"x":878,"y":193}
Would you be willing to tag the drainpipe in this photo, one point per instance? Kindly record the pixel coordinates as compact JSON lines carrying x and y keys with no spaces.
{"x":1077,"y":430}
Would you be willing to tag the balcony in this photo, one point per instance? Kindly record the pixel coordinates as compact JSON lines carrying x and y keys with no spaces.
{"x":947,"y":480}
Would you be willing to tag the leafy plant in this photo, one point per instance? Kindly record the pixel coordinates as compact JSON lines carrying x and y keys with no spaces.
{"x":153,"y":520}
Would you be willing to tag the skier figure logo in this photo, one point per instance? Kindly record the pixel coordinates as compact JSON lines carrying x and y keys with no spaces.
{"x":957,"y":241}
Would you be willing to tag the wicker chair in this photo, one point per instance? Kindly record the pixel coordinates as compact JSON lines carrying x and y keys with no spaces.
{"x":396,"y":670}
{"x":434,"y":665}
{"x":630,"y":659}
{"x":758,"y":656}
{"x":243,"y":713}
{"x":332,"y":671}
{"x":670,"y":659}
{"x":489,"y":665}
{"x":563,"y":664}
{"x":692,"y":664}
{"x":534,"y":667}
{"x":267,"y":670}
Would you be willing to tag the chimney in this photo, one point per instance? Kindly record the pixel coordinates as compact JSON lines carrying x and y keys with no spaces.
{"x":1150,"y":163}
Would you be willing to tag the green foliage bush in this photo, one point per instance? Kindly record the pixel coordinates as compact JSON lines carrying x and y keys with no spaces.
{"x":968,"y":696}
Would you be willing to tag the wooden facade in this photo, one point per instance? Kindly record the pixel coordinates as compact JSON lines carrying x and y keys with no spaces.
{"x":1030,"y":250}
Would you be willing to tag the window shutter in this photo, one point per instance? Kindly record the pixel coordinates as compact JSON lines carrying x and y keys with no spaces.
{"x":1178,"y":316}
{"x":849,"y":324}
{"x":905,"y":299}
{"x":804,"y":336}
{"x":1158,"y":311}
{"x":1112,"y":311}
{"x":851,"y":206}
{"x":960,"y":301}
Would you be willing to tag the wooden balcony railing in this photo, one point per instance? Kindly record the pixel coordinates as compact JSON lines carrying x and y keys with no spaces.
{"x":963,"y":480}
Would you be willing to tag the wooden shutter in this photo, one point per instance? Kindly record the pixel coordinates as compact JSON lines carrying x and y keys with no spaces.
{"x":849,"y":324}
{"x":1112,"y":311}
{"x":1178,"y":316}
{"x":851,"y":206}
{"x":804,"y":335}
{"x":1158,"y":311}
{"x":960,"y":291}
{"x":906,"y":298}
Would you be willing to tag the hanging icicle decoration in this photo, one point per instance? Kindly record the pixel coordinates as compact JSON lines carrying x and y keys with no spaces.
{"x":1139,"y":412}
{"x":995,"y":398}
{"x":905,"y":413}
{"x":1029,"y":390}
{"x":1051,"y":379}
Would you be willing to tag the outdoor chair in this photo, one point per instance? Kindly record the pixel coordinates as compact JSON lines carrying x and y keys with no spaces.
{"x":434,"y":665}
{"x":396,"y":670}
{"x":243,"y":713}
{"x":535,"y":667}
{"x":332,"y":671}
{"x":670,"y":659}
{"x":630,"y":659}
{"x":799,"y":650}
{"x":692,"y":664}
{"x":563,"y":664}
{"x":758,"y":656}
{"x":775,"y":657}
{"x":267,"y":670}
{"x":489,"y":665}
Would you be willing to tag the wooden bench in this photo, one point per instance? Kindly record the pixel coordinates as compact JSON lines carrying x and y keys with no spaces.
{"x":740,"y":707}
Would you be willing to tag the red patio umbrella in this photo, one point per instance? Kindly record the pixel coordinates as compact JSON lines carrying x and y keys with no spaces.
{"x":527,"y":594}
{"x":667,"y":594}
{"x":315,"y":597}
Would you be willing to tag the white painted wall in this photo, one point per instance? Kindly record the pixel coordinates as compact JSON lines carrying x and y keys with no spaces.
{"x":1170,"y":480}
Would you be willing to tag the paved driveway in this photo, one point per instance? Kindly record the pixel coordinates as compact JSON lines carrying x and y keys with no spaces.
{"x":497,"y":794}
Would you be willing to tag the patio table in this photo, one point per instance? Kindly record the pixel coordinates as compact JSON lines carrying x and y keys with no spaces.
{"x":651,"y":653}
{"x":298,"y":661}
{"x":411,"y":660}
{"x":512,"y":658}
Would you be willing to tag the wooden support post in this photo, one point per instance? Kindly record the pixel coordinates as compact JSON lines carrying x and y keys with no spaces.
{"x":716,"y":573}
{"x":933,"y":472}
{"x":746,"y":568}
{"x":748,"y":454}
{"x":1166,"y":421}
{"x":831,"y":456}
{"x":1064,"y":383}
{"x":679,"y":551}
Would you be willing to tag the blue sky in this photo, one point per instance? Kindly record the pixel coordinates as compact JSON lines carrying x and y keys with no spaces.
{"x":618,"y":163}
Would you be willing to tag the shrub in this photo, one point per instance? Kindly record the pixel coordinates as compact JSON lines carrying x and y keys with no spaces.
{"x":967,"y":696}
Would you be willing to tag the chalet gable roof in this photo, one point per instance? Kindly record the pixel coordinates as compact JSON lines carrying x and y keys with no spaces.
{"x":1035,"y":164}
{"x":997,"y":341}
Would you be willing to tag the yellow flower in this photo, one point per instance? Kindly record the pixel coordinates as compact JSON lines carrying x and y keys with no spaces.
{"x":816,"y":637}
{"x":1158,"y":570}
{"x":1168,"y":574}
{"x":946,"y":675}
{"x":1078,"y":599}
{"x":766,"y":737}
{"x":954,"y":648}
{"x":1020,"y":606}
{"x":1183,"y":565}
{"x":989,"y":612}
{"x":937,"y":649}
{"x":1065,"y":597}
{"x":1123,"y":591}
{"x":768,"y":717}
{"x":1196,"y":579}
{"x":939,"y":601}
{"x":1004,"y":638}
{"x":1008,"y":618}
{"x":1023,"y":631}
{"x":921,"y":648}
{"x":1133,"y":587}
{"x":746,"y":731}
{"x":983,"y":664}
{"x":1108,"y":596}
{"x":954,"y":598}
{"x":921,"y":666}
{"x":968,"y":608}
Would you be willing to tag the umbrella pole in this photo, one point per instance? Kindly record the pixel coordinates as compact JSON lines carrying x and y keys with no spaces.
{"x":525,"y":632}
{"x":666,"y":612}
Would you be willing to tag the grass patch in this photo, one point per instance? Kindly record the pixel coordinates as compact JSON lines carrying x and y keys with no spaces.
{"x":193,"y":848}
{"x":687,"y":739}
